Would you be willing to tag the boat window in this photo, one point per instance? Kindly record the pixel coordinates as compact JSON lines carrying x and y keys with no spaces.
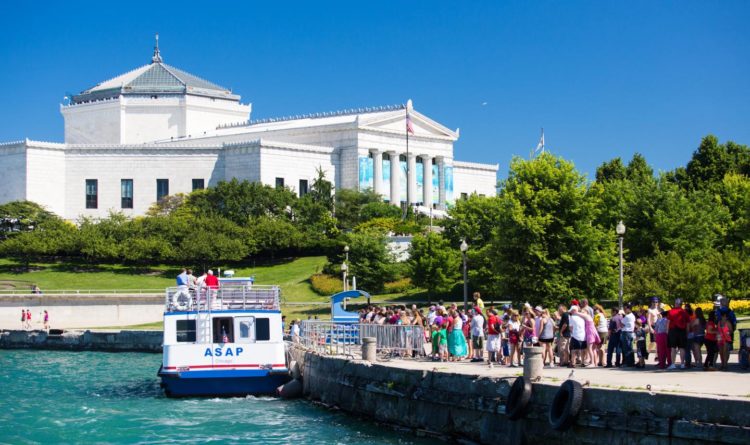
{"x":245,"y":329}
{"x":262,"y":329}
{"x":223,"y":326}
{"x":185,"y":330}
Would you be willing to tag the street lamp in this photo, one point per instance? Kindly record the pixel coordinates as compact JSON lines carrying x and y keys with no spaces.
{"x":344,"y":268}
{"x":464,"y":247}
{"x":346,"y":252}
{"x":620,"y":230}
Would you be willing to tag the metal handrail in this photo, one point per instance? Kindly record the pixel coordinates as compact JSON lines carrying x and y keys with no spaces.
{"x":224,"y":297}
{"x":332,"y":338}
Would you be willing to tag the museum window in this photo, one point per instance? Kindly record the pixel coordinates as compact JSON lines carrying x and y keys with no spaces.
{"x":302,"y":187}
{"x":464,"y":196}
{"x":92,"y":193}
{"x":162,"y":188}
{"x":126,"y":193}
{"x":279,"y":183}
{"x":199,"y":184}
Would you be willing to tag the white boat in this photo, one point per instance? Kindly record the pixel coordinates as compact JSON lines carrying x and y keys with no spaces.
{"x":223,"y":341}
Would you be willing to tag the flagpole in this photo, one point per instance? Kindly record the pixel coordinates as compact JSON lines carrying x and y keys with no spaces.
{"x":406,"y":128}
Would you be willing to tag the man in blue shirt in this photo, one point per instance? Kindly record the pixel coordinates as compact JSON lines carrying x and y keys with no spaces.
{"x":182,"y":295}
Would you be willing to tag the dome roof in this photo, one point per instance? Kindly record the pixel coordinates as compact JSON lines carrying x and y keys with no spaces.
{"x":154,"y":78}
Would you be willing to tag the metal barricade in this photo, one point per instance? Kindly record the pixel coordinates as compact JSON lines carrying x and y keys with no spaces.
{"x":326,"y":337}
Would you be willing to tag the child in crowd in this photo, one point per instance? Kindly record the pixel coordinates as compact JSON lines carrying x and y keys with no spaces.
{"x":641,"y":330}
{"x":435,"y":339}
{"x":504,"y":340}
{"x":514,"y":338}
{"x":661,"y":328}
{"x":443,"y":343}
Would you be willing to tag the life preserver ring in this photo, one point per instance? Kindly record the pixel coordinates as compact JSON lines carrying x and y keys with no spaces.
{"x":516,"y":407}
{"x":566,"y":405}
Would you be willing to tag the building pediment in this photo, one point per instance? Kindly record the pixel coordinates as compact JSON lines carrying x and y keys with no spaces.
{"x":395,"y":122}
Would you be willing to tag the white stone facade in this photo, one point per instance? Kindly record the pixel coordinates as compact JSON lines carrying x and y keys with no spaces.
{"x":127,"y":134}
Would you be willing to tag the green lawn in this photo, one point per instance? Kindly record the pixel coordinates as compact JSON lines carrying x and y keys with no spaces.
{"x":292,"y":275}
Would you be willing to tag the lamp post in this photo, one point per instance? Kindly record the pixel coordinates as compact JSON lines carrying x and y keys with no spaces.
{"x":464,"y":247}
{"x":344,"y":268}
{"x":620,"y":230}
{"x":346,"y":252}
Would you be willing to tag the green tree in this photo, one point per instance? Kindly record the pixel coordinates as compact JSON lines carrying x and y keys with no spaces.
{"x":369,"y":260}
{"x":613,"y":170}
{"x":434,"y":264}
{"x":274,"y":235}
{"x":473,"y":219}
{"x":50,"y":238}
{"x":349,"y":204}
{"x":638,"y":170}
{"x":546,"y":245}
{"x":712,"y":161}
{"x":669,"y":275}
{"x":22,"y":216}
{"x":321,"y":191}
{"x":239,"y":201}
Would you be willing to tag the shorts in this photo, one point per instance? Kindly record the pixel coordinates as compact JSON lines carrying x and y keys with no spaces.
{"x":603,"y":337}
{"x":443,"y":348}
{"x":562,"y":346}
{"x":677,"y":338}
{"x":577,"y":345}
{"x":546,"y":340}
{"x":477,"y":342}
{"x":506,"y":348}
{"x":493,"y":343}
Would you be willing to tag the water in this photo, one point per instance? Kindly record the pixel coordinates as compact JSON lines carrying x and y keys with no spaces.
{"x":95,"y":397}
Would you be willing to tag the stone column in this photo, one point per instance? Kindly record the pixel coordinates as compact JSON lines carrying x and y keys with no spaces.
{"x":427,"y":179}
{"x":441,"y":182}
{"x":377,"y":171}
{"x":395,"y":173}
{"x":411,"y":179}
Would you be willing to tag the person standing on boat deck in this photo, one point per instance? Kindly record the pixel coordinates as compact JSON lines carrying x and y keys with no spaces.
{"x":191,"y":281}
{"x":211,"y":280}
{"x":182,"y":288}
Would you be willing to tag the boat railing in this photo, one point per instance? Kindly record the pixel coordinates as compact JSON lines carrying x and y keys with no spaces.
{"x":224,"y":297}
{"x":332,"y":338}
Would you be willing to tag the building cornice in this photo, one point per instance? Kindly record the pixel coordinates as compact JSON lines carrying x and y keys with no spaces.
{"x":277,"y":145}
{"x":476,"y":166}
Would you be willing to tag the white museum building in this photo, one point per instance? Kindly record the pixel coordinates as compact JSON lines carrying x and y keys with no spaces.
{"x":158,"y":130}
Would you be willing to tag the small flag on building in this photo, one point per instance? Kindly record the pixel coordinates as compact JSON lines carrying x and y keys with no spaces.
{"x":409,"y":127}
{"x":224,"y":338}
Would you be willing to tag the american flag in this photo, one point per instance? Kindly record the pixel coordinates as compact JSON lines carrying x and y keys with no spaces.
{"x":224,"y":338}
{"x":409,"y":128}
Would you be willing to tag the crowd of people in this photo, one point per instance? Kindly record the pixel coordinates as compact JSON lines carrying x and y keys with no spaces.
{"x":574,"y":334}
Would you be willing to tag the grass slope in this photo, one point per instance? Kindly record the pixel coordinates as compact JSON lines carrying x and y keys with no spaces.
{"x":292,"y":275}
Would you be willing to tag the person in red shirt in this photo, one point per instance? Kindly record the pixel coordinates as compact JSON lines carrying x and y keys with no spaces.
{"x":211,"y":280}
{"x":677,"y":335}
{"x":494,"y":345}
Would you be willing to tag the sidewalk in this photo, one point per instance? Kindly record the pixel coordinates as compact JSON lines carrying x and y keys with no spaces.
{"x":734,"y":383}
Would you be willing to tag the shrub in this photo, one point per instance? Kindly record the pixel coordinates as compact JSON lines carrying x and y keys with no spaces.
{"x":324,"y":284}
{"x":398,"y":286}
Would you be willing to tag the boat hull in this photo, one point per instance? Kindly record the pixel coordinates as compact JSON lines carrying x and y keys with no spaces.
{"x":224,"y":383}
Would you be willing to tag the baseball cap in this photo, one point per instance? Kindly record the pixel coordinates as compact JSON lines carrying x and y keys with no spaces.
{"x":574,"y":302}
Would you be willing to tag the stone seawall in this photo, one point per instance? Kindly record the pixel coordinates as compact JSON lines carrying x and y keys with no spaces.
{"x":472,"y":407}
{"x":82,"y":310}
{"x":113,"y":341}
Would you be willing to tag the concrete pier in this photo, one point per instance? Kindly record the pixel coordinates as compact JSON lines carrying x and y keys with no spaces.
{"x":461,"y":401}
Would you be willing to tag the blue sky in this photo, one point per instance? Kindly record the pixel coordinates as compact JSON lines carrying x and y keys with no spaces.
{"x":603,"y":78}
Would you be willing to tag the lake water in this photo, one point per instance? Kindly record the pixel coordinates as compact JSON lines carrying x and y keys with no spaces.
{"x":95,"y":397}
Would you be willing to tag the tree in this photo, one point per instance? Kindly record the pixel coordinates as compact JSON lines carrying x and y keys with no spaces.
{"x":638,"y":170}
{"x":613,"y":170}
{"x":168,"y":205}
{"x":50,"y":238}
{"x":433,"y":263}
{"x":669,"y":275}
{"x":21,"y":216}
{"x":712,"y":161}
{"x":369,"y":260}
{"x":546,"y":245}
{"x":321,"y":191}
{"x":472,"y":219}
{"x":349,"y":204}
{"x":239,"y":201}
{"x":274,"y":235}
